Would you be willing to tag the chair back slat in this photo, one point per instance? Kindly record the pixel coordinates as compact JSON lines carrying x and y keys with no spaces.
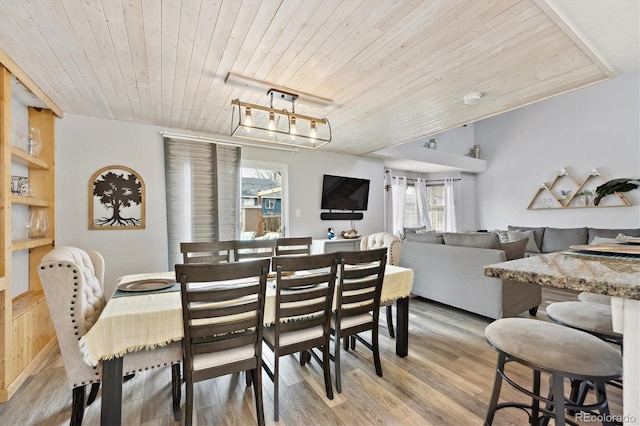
{"x":232,"y":289}
{"x":206,"y":252}
{"x":289,"y":246}
{"x":222,"y":304}
{"x":236,"y":341}
{"x":251,"y":305}
{"x":253,"y":249}
{"x":221,"y":329}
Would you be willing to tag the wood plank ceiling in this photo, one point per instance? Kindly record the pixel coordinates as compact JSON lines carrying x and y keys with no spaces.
{"x":395,"y":70}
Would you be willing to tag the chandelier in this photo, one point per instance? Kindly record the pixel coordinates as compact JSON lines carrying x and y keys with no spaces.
{"x":266,"y":124}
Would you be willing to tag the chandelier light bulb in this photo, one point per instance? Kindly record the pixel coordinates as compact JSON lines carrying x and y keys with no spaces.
{"x":272,"y":120}
{"x":247,"y":117}
{"x":312,"y":129}
{"x":292,"y":127}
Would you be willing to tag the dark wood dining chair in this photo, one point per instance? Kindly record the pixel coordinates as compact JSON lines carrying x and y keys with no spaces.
{"x":358,"y":303}
{"x":304,"y":298}
{"x":206,"y":252}
{"x":223,"y":323}
{"x":253,"y":249}
{"x":297,"y":246}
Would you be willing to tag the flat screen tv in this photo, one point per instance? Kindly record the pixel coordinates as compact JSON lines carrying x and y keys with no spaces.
{"x":344,"y":193}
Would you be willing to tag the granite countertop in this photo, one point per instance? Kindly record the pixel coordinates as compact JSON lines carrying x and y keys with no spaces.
{"x":611,"y":277}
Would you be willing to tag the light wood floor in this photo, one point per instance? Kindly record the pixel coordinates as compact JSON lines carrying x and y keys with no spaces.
{"x":446,"y":379}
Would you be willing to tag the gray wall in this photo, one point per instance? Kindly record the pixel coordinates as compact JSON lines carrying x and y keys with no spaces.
{"x":86,"y":144}
{"x":595,"y":127}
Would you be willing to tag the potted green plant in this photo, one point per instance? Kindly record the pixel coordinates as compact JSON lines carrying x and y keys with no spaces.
{"x":584,"y":197}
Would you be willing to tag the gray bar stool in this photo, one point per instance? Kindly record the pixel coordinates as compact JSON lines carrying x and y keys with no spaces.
{"x":560,"y":351}
{"x":593,"y":318}
{"x":594,"y":298}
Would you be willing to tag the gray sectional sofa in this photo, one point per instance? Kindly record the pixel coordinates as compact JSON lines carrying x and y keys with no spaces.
{"x":449,"y":267}
{"x":548,"y":240}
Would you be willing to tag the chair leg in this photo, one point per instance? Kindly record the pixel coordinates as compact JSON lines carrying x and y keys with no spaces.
{"x":376,"y":351}
{"x":336,"y":361}
{"x":601,"y":394}
{"x":558,"y":399}
{"x":352,"y":339}
{"x":176,"y":388}
{"x":256,"y":375}
{"x":535,"y":403}
{"x":276,"y":387}
{"x":93,"y":393}
{"x":497,"y":384}
{"x":327,"y":369}
{"x":188,"y":406}
{"x":392,"y":334}
{"x":77,"y":406}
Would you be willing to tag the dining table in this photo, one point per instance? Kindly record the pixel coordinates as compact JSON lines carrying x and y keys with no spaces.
{"x":611,"y":275}
{"x":144,"y":320}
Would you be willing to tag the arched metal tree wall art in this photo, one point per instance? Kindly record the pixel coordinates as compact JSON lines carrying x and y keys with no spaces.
{"x":116,"y":199}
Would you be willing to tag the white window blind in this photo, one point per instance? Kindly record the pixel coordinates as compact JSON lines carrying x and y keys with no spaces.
{"x":203,"y":184}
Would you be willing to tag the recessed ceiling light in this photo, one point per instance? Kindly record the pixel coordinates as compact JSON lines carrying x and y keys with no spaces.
{"x":472,"y":98}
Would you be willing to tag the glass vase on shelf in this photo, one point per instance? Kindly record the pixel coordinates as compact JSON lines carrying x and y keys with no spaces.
{"x":34,"y":145}
{"x":38,"y":224}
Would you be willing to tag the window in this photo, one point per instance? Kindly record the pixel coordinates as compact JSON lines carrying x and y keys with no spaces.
{"x":262,"y":199}
{"x":435,"y":206}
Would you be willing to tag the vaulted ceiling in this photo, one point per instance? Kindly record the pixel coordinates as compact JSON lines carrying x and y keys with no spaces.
{"x":394,"y":70}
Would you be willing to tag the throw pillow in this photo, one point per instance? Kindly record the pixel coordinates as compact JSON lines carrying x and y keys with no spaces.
{"x":487,"y":240}
{"x":603,"y":240}
{"x":430,"y":238}
{"x":503,"y":235}
{"x":612,"y":233}
{"x":514,"y":249}
{"x":538,"y":233}
{"x":531,"y":242}
{"x":559,"y":239}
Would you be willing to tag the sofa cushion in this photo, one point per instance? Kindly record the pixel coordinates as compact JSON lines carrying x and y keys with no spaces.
{"x":430,"y":237}
{"x":603,"y":240}
{"x":538,"y":234}
{"x":531,"y":246}
{"x":514,"y":249}
{"x":488,"y":240}
{"x":612,"y":233}
{"x":558,"y":239}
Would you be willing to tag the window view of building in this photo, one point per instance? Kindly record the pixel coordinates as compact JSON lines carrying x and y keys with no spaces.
{"x":261,"y":203}
{"x":435,"y":207}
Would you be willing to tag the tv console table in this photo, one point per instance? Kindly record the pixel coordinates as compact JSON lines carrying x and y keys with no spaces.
{"x":335,"y":245}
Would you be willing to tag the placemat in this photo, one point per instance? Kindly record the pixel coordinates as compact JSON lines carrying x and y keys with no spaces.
{"x":120,"y":293}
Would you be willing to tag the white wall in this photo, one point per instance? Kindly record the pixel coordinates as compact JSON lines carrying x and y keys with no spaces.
{"x":595,"y":127}
{"x":86,"y":144}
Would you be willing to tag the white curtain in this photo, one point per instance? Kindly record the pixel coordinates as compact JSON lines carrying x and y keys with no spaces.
{"x":450,"y":224}
{"x":398,"y":197}
{"x":388,"y":203}
{"x":421,"y":201}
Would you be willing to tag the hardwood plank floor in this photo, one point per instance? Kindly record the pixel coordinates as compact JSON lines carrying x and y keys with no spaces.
{"x":446,"y":379}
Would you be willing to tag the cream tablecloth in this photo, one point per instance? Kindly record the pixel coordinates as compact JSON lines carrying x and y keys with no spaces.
{"x":144,"y":321}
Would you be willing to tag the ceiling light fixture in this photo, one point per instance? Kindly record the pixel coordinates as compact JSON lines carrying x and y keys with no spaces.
{"x":256,"y":122}
{"x":472,"y":98}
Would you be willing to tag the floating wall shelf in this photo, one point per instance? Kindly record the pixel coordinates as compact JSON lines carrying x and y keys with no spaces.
{"x":562,"y":193}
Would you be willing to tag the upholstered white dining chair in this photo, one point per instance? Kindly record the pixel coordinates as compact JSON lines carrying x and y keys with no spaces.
{"x":73,"y":280}
{"x":394,"y":250}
